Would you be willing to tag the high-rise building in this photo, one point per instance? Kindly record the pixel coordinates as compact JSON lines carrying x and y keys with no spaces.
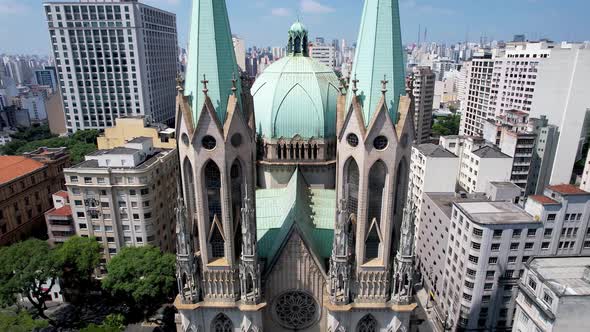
{"x":475,"y":105}
{"x":47,"y":76}
{"x":423,"y":79}
{"x":114,"y":58}
{"x":324,"y":54}
{"x":125,"y":197}
{"x":553,"y":295}
{"x":295,"y":213}
{"x":240,"y":50}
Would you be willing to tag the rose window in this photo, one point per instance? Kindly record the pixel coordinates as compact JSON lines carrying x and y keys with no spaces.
{"x":296,"y":310}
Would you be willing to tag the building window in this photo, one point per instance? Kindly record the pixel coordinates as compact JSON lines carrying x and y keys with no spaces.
{"x":529,"y":245}
{"x":532,"y":284}
{"x":477,"y":232}
{"x":78,"y":203}
{"x":145,"y":191}
{"x":377,"y":180}
{"x":473,"y":259}
{"x":551,"y":217}
{"x":514,"y":246}
{"x":493,"y":260}
{"x":531,"y":232}
{"x":547,"y":298}
{"x":80,"y":214}
{"x":495,"y":247}
{"x":87,"y":180}
{"x":74,"y":179}
{"x":222,"y":323}
{"x":516,"y":233}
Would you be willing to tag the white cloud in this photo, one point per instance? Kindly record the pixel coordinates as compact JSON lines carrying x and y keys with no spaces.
{"x":12,"y":7}
{"x":280,"y":12}
{"x":315,"y":7}
{"x":426,"y":8}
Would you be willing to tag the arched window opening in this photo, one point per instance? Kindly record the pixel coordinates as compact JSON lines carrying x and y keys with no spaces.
{"x":237,"y":195}
{"x":377,"y":178}
{"x":279,"y":151}
{"x":367,"y":324}
{"x":297,"y":45}
{"x":213,"y":187}
{"x":284,"y":151}
{"x":189,"y":190}
{"x":315,"y":151}
{"x":297,"y":151}
{"x":249,"y":284}
{"x":309,"y":152}
{"x":291,"y":152}
{"x":222,"y":323}
{"x":400,"y":186}
{"x":372,"y":243}
{"x":351,"y":186}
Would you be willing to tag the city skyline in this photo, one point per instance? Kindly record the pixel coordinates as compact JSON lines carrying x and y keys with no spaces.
{"x":456,"y":21}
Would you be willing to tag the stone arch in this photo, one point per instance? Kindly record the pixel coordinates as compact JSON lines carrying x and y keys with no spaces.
{"x":401,"y":183}
{"x":375,"y":198}
{"x":190,"y":197}
{"x":222,"y":323}
{"x":351,"y":185}
{"x":367,"y":324}
{"x":212,"y":184}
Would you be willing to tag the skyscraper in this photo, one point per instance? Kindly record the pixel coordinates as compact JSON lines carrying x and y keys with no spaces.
{"x":423,"y":79}
{"x":240,"y":49}
{"x":114,"y":58}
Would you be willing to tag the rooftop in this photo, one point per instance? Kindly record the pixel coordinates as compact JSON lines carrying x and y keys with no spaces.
{"x":435,"y":151}
{"x":495,"y":213}
{"x":140,"y":140}
{"x":567,"y":276}
{"x":63,"y":211}
{"x":445,"y":201}
{"x":544,"y":200}
{"x":567,"y":189}
{"x":490,"y":152}
{"x":13,"y":167}
{"x":62,"y":193}
{"x":150,"y":160}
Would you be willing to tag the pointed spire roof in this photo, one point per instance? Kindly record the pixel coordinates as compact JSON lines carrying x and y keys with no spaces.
{"x":211,"y":54}
{"x":379,"y":53}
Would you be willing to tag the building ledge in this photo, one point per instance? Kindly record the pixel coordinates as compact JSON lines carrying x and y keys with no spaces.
{"x":375,"y":306}
{"x":220,"y":262}
{"x":218,"y":305}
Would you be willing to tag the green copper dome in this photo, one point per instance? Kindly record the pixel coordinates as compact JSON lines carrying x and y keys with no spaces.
{"x":298,"y":27}
{"x":296,"y":96}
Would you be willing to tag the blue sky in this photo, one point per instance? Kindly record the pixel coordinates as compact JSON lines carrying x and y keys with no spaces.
{"x":265,"y":22}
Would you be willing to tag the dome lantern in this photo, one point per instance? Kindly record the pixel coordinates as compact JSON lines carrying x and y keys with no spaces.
{"x":298,"y":39}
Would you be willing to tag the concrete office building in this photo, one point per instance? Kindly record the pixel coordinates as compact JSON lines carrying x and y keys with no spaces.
{"x":324,"y":54}
{"x":432,"y":169}
{"x":35,"y":105}
{"x":479,"y":167}
{"x":47,"y":77}
{"x":562,"y":95}
{"x":240,"y":50}
{"x":128,"y":128}
{"x":26,"y":185}
{"x":125,"y":196}
{"x":59,"y":220}
{"x":554,"y":295}
{"x":423,"y":79}
{"x":113,"y":58}
{"x":475,"y":107}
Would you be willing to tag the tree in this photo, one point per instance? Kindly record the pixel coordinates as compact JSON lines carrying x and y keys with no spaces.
{"x":141,"y":276}
{"x":87,"y":136}
{"x":30,"y":269}
{"x":78,"y":257}
{"x":20,"y":322}
{"x":112,"y":323}
{"x":447,"y":126}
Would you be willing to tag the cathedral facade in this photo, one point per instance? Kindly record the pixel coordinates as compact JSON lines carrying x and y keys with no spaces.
{"x":293,"y":214}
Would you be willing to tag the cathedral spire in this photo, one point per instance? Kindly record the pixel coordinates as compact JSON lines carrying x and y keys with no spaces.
{"x":379,"y":52}
{"x":211,"y":54}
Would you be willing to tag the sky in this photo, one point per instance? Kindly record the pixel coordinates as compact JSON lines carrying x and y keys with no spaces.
{"x":265,"y":22}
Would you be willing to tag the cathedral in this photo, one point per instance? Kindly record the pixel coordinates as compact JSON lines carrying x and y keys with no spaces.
{"x":293,"y":213}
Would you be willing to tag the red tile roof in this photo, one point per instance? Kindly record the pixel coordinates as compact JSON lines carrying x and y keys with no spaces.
{"x":543,"y":200}
{"x":63,"y":211}
{"x":567,"y":189}
{"x":13,"y":167}
{"x":62,"y":193}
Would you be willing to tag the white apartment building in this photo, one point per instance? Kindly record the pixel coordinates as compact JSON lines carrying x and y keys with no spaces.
{"x":240,"y":50}
{"x":35,"y":105}
{"x":125,"y":196}
{"x":584,"y":185}
{"x":423,"y":79}
{"x":113,"y":58}
{"x":324,"y":54}
{"x":554,"y":295}
{"x":562,"y":95}
{"x":481,"y":166}
{"x":475,"y":107}
{"x":488,"y":244}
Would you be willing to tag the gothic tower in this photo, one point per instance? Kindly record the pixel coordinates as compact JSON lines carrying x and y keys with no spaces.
{"x":375,"y":133}
{"x":215,"y":126}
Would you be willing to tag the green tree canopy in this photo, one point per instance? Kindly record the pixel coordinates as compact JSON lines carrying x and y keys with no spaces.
{"x":143,"y":276}
{"x":24,"y":269}
{"x":447,"y":126}
{"x":78,"y":257}
{"x":19,"y":322}
{"x":112,"y":323}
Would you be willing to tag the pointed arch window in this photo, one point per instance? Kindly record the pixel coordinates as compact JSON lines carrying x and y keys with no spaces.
{"x":216,"y":240}
{"x":367,"y":324}
{"x":213,"y":188}
{"x":351,"y":185}
{"x":237,"y":194}
{"x":401,"y":183}
{"x":377,"y":178}
{"x":373,"y":241}
{"x":222,"y":323}
{"x":189,"y":186}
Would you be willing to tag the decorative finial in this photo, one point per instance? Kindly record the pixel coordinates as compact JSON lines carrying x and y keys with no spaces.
{"x":354,"y":87}
{"x":384,"y":84}
{"x":204,"y":81}
{"x":234,"y":87}
{"x":342,"y":86}
{"x":347,"y":80}
{"x":179,"y":83}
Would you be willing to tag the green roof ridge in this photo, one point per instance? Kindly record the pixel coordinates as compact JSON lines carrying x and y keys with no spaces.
{"x":211,"y":55}
{"x":379,"y":54}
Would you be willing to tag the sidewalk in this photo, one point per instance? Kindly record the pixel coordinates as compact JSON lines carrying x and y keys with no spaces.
{"x":422,"y":298}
